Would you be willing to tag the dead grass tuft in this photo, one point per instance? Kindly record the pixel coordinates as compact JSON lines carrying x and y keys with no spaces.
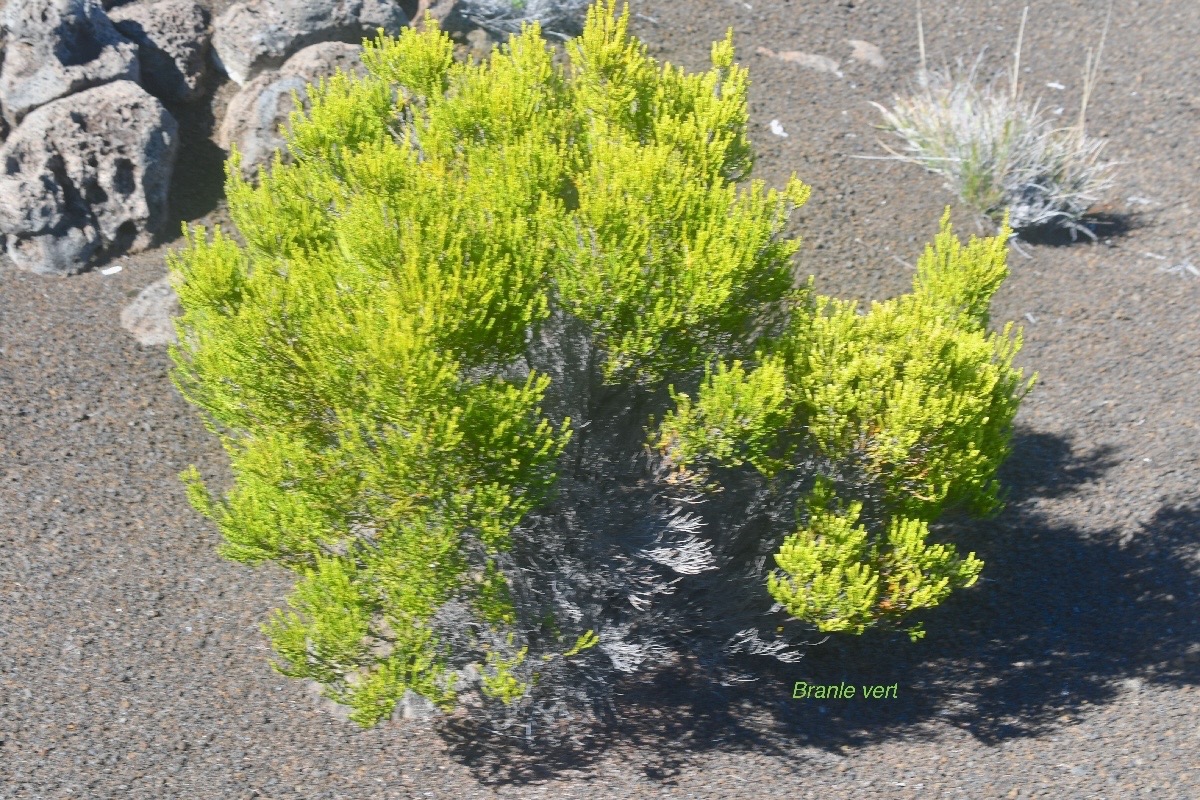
{"x":1000,"y":152}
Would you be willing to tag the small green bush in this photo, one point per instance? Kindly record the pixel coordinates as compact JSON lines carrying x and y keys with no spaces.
{"x":517,"y":382}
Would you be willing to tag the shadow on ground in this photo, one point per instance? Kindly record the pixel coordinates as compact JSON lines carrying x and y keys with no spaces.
{"x":1061,"y":618}
{"x":1094,"y":227}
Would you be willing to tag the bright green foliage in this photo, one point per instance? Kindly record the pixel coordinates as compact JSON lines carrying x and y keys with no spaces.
{"x":830,"y":580}
{"x":498,"y":679}
{"x":362,"y":352}
{"x":494,"y":601}
{"x":663,"y":292}
{"x":739,"y":418}
{"x":961,"y":279}
{"x":834,"y":575}
{"x":916,"y":386}
{"x":586,"y":641}
{"x":914,"y":393}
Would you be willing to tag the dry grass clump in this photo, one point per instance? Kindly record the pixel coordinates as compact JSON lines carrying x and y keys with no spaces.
{"x":1000,"y":152}
{"x":559,"y":18}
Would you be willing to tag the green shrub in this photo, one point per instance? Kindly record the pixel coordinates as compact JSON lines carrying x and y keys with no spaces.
{"x":437,"y":357}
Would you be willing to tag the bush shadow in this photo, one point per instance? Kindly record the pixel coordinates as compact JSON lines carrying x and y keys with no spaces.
{"x":1101,"y":225}
{"x":1062,"y":617}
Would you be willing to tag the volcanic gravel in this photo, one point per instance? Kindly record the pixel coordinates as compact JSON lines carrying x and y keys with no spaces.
{"x":131,"y":664}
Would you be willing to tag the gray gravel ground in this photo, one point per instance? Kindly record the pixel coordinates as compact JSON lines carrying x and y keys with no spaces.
{"x":131,"y":665}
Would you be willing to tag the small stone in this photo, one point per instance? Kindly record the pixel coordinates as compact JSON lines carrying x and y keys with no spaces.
{"x":440,"y":10}
{"x":150,"y":318}
{"x":481,"y":44}
{"x":413,"y":706}
{"x":338,"y":711}
{"x":867,"y":53}
{"x":808,"y":60}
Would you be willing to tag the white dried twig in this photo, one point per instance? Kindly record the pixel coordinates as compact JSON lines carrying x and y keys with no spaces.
{"x":690,"y":557}
{"x":748,"y":641}
{"x":627,"y":656}
{"x":1181,"y":268}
